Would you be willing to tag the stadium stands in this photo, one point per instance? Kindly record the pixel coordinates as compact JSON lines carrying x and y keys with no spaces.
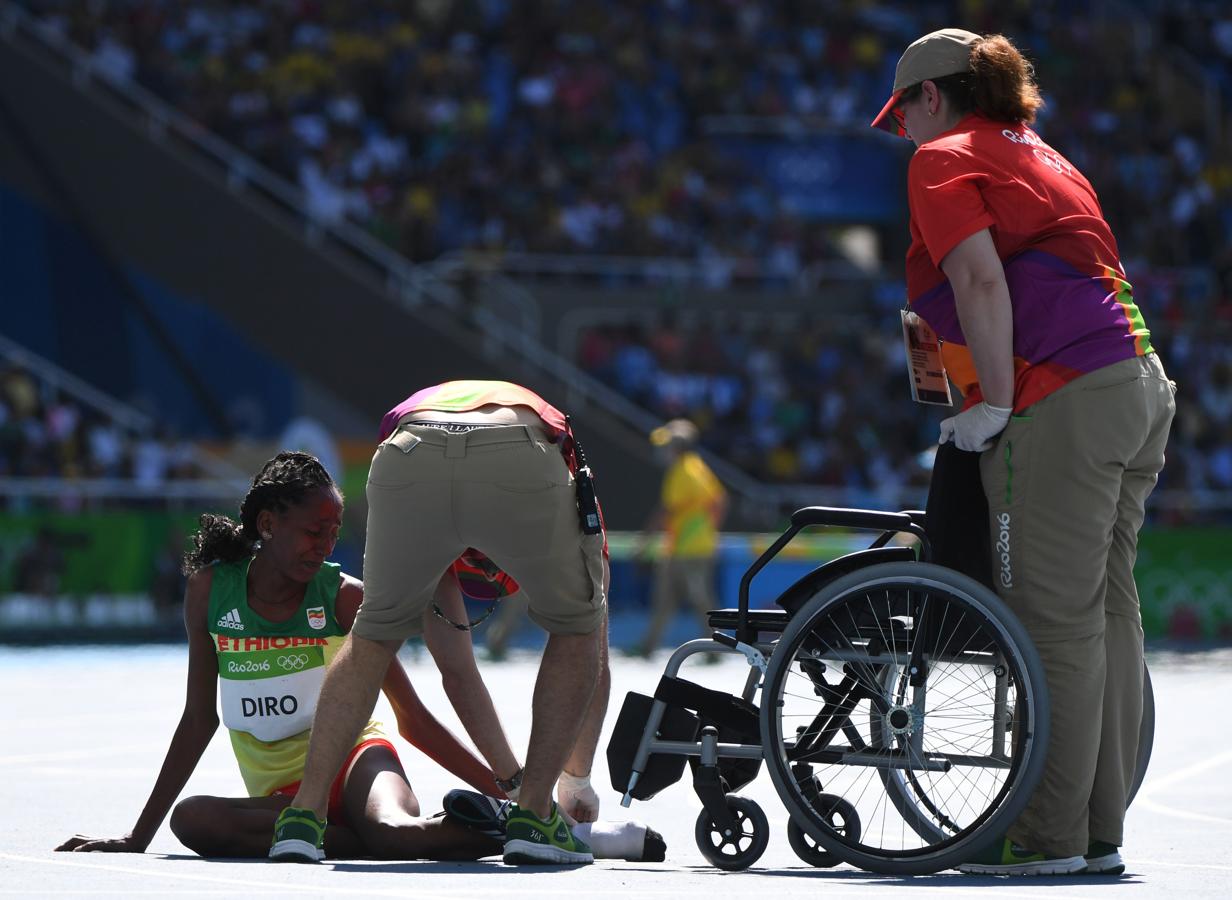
{"x":561,"y":128}
{"x":556,"y":126}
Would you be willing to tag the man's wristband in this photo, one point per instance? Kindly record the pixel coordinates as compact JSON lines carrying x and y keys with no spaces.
{"x":512,"y":783}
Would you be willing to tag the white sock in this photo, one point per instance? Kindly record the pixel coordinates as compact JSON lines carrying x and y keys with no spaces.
{"x":613,"y":840}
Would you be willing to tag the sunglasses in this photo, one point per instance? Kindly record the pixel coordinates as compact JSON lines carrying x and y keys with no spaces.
{"x":900,"y":120}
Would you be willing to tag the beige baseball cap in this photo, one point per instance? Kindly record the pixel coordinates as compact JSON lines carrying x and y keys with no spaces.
{"x":941,"y":53}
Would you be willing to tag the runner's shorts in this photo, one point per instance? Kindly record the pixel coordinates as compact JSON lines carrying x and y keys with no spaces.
{"x":504,"y":490}
{"x":336,"y":812}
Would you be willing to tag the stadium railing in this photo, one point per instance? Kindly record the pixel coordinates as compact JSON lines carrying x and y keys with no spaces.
{"x":220,"y":481}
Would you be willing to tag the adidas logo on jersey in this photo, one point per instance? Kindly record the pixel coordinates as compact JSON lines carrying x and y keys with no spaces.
{"x":231,"y":620}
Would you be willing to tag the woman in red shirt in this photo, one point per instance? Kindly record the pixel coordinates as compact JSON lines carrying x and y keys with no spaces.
{"x":1012,"y":264}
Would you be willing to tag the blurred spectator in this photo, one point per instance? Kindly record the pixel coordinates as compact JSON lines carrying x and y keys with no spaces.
{"x":39,"y":567}
{"x":46,"y":433}
{"x":168,"y":583}
{"x":692,"y":504}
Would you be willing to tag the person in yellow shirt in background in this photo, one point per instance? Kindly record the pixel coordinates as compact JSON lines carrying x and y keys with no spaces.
{"x":691,"y":508}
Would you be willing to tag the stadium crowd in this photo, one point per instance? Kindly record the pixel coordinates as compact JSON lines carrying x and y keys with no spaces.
{"x":46,"y":433}
{"x":551,"y":126}
{"x":829,"y":404}
{"x":555,"y":126}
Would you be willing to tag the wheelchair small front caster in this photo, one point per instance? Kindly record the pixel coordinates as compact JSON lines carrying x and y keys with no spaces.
{"x":840,"y":815}
{"x":740,"y":847}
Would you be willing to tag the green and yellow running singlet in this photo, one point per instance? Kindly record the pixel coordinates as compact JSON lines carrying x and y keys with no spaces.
{"x":270,"y":674}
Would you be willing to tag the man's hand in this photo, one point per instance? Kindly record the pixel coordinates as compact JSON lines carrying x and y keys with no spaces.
{"x":974,"y":429}
{"x":576,"y":798}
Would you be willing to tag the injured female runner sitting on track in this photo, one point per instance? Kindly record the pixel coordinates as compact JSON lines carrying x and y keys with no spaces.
{"x":265,"y":613}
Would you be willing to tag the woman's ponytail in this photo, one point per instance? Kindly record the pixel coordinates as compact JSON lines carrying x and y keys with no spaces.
{"x":218,"y":539}
{"x":1003,"y":81}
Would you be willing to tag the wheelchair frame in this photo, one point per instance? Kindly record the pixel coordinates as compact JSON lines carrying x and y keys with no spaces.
{"x":724,"y":825}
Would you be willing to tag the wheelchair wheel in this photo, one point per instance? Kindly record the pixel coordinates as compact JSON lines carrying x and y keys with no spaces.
{"x":914,"y":694}
{"x":740,"y":849}
{"x":1146,"y":734}
{"x":840,"y":815}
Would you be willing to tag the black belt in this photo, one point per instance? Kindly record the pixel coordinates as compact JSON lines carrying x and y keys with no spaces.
{"x":460,"y":427}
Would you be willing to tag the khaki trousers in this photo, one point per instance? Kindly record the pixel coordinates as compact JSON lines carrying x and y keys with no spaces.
{"x":1067,"y":484}
{"x":503,"y":490}
{"x":687,"y":578}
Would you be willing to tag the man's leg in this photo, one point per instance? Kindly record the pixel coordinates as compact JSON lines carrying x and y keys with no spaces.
{"x":567,"y":677}
{"x":582,"y":756}
{"x":347,"y":698}
{"x":345,"y":703}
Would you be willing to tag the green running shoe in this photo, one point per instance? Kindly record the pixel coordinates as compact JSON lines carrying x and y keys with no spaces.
{"x":530,"y":841}
{"x":1004,"y":857}
{"x":298,"y":836}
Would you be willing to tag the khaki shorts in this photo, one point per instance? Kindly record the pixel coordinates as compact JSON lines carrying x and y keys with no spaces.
{"x":507,"y":492}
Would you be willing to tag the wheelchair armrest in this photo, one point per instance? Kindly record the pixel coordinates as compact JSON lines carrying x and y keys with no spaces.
{"x":866,"y":519}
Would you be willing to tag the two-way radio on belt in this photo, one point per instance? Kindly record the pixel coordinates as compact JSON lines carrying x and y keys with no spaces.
{"x":584,"y":486}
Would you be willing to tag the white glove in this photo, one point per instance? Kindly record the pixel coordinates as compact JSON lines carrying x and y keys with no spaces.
{"x":974,"y":429}
{"x":576,"y":798}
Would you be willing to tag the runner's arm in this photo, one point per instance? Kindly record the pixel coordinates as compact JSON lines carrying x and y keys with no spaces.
{"x":416,"y":723}
{"x":197,"y":725}
{"x":454,"y":654}
{"x":419,"y":727}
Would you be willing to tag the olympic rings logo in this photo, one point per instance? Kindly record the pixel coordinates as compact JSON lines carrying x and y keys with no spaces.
{"x":293,"y":662}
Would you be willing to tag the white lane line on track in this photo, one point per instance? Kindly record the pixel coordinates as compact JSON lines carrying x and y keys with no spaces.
{"x":1146,"y":799}
{"x":808,"y":877}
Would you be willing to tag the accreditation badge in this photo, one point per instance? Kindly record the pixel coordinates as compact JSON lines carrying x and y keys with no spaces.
{"x":929,"y":382}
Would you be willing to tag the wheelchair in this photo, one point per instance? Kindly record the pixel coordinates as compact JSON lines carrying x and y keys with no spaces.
{"x":900,"y":709}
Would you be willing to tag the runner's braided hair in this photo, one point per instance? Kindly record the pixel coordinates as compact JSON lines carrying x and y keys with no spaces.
{"x":283,"y":482}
